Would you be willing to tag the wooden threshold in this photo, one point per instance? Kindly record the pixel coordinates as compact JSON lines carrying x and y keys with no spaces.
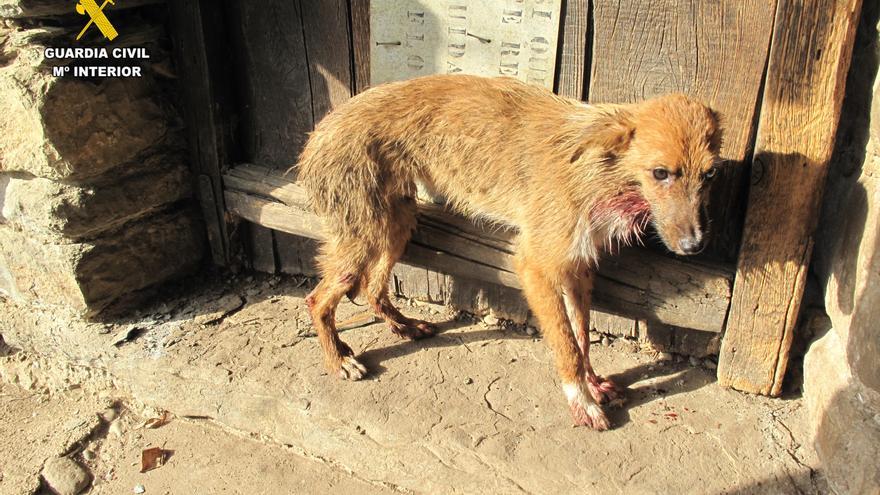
{"x":637,"y":283}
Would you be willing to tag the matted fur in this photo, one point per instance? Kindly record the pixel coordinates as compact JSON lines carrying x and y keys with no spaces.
{"x":575,"y":180}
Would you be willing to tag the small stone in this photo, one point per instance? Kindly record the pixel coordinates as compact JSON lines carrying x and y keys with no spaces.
{"x":531,"y":331}
{"x":139,"y":488}
{"x":490,"y":320}
{"x":606,"y":340}
{"x":665,"y":356}
{"x":89,"y":455}
{"x":65,"y":476}
{"x":109,"y":414}
{"x":708,"y":363}
{"x":468,"y":381}
{"x":115,"y":429}
{"x":694,"y":361}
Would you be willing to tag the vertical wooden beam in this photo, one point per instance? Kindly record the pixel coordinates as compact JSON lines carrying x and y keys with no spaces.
{"x":261,"y":249}
{"x":360,"y":42}
{"x":275,"y":91}
{"x":205,"y":100}
{"x":573,"y":49}
{"x":328,"y":48}
{"x":806,"y":75}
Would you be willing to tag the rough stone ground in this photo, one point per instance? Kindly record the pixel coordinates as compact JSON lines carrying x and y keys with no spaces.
{"x":476,"y":409}
{"x":206,"y":459}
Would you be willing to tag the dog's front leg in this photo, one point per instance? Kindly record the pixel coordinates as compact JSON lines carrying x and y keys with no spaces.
{"x":577,"y":293}
{"x":545,"y":299}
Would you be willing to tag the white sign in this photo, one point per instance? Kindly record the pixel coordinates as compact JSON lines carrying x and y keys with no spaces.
{"x":516,"y":38}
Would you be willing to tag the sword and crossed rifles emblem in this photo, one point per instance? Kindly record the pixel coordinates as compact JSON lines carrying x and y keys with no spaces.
{"x":97,"y":17}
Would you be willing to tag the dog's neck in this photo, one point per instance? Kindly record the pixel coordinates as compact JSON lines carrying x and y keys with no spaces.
{"x":611,"y":222}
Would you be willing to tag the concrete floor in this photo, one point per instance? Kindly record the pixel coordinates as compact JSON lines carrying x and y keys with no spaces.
{"x":476,"y":409}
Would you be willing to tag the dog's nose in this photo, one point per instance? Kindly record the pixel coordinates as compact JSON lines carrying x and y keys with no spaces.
{"x":691,"y":244}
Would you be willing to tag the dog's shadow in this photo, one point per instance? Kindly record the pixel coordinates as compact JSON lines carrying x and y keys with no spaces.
{"x":679,"y":378}
{"x":374,"y":357}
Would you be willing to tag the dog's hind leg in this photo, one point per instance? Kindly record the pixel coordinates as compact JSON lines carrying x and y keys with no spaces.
{"x":342,"y":264}
{"x":398,"y":231}
{"x":546,"y":302}
{"x":577,"y":293}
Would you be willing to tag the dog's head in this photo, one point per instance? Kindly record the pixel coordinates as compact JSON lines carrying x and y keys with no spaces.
{"x":667,"y":149}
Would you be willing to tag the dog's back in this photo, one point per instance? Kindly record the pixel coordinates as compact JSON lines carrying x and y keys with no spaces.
{"x":463,"y":137}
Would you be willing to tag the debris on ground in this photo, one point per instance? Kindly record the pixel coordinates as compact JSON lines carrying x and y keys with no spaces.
{"x":153,"y":458}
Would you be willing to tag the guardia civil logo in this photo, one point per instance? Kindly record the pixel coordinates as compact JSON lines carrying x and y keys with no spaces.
{"x":94,"y":60}
{"x":96,"y":17}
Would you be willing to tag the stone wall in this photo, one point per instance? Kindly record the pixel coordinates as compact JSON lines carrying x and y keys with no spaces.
{"x":95,"y":196}
{"x":841,"y":372}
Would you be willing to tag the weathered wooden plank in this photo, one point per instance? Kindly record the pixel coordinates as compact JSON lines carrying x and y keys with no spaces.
{"x":573,"y":50}
{"x":213,"y":219}
{"x":273,"y":80}
{"x":360,"y":42}
{"x":273,"y":214}
{"x":806,"y":76}
{"x":296,"y":255}
{"x":715,"y":51}
{"x":636,"y":283}
{"x":206,"y":108}
{"x":328,"y":47}
{"x":261,"y":251}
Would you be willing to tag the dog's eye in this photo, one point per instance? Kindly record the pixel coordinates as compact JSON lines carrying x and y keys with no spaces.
{"x":712,"y":172}
{"x":661,"y":173}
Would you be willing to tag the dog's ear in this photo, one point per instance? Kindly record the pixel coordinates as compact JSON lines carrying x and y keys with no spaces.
{"x":610,"y":135}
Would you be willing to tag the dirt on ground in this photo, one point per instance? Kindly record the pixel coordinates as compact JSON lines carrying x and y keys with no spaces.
{"x":250,"y":408}
{"x":107,"y":440}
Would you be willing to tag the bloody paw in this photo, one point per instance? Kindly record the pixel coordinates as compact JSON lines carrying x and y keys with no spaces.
{"x":590,"y":416}
{"x":602,"y":389}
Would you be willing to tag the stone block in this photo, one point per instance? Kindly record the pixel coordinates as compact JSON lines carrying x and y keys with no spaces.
{"x":51,"y":208}
{"x":841,"y":377}
{"x":74,"y":129}
{"x":90,"y":276}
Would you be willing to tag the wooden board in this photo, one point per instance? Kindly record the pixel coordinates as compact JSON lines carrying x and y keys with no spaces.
{"x":637,"y":283}
{"x":412,"y":38}
{"x":273,"y":79}
{"x":261,"y":249}
{"x":360,"y":43}
{"x":206,"y":100}
{"x":573,"y":49}
{"x":806,"y":76}
{"x":715,"y":51}
{"x":293,"y":63}
{"x":328,"y":45}
{"x":296,"y":255}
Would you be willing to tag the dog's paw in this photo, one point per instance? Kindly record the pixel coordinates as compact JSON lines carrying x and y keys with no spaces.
{"x":413,"y":329}
{"x":351,"y":369}
{"x":584,"y":410}
{"x":591,"y":416}
{"x":603,"y":390}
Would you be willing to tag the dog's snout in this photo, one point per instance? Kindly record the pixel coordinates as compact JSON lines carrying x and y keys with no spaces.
{"x":691,"y":244}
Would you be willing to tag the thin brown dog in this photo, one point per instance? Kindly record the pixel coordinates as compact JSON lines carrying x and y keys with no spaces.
{"x":573,"y":179}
